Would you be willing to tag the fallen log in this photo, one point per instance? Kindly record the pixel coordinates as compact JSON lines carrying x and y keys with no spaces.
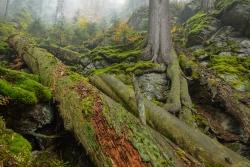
{"x":200,"y":146}
{"x":206,"y":150}
{"x":109,"y":133}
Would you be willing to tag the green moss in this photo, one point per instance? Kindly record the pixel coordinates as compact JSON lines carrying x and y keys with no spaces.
{"x":6,"y":29}
{"x":216,"y":47}
{"x":47,"y":159}
{"x":126,"y":67}
{"x":16,"y":93}
{"x":186,"y":63}
{"x":114,"y":53}
{"x":199,"y":52}
{"x":222,"y":4}
{"x":233,"y":69}
{"x":22,"y":87}
{"x":4,"y":48}
{"x":197,"y":23}
{"x":13,"y":147}
{"x":138,"y":135}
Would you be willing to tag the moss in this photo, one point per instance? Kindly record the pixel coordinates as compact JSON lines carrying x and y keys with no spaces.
{"x":47,"y":159}
{"x":222,"y":4}
{"x":4,"y":48}
{"x":16,"y":93}
{"x":217,"y":47}
{"x":14,"y":148}
{"x":233,"y":69}
{"x":114,"y":53}
{"x":22,"y":87}
{"x":199,"y":52}
{"x":138,"y":135}
{"x":186,"y":63}
{"x":6,"y":29}
{"x":197,"y":23}
{"x":126,"y":67}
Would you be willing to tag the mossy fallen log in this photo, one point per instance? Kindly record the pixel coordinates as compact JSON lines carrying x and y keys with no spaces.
{"x":206,"y":150}
{"x":21,"y":87}
{"x":109,"y":133}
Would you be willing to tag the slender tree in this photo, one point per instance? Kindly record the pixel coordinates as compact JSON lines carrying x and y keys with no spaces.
{"x":59,"y":10}
{"x":6,"y":8}
{"x":207,"y":5}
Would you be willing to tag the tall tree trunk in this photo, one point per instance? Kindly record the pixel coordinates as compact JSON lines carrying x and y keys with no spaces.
{"x":160,"y":50}
{"x":159,"y":41}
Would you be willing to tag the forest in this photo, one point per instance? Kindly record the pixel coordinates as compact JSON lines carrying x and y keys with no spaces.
{"x":124,"y":83}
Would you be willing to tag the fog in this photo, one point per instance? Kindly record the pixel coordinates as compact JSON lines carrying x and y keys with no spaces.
{"x":93,"y":10}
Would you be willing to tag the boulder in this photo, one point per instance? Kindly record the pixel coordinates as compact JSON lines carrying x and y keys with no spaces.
{"x":154,"y":86}
{"x":189,"y":10}
{"x":237,"y":14}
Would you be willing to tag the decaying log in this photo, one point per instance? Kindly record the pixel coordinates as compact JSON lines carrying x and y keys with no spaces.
{"x":223,"y":94}
{"x":200,"y":146}
{"x":207,"y":150}
{"x":110,"y":134}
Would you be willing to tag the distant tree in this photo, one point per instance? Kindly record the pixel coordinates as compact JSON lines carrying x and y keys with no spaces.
{"x":59,"y":10}
{"x":6,"y":8}
{"x":207,"y":5}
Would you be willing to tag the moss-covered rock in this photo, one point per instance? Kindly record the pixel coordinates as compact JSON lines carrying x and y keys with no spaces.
{"x":235,"y":70}
{"x":199,"y":28}
{"x":47,"y":159}
{"x":235,"y":13}
{"x":14,"y":149}
{"x":22,"y":87}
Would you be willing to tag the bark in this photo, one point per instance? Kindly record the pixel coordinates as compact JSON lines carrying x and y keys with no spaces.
{"x":139,"y":100}
{"x":159,"y":40}
{"x":200,"y":146}
{"x":160,"y":50}
{"x":109,"y":133}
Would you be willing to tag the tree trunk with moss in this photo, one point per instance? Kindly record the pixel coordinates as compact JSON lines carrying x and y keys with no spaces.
{"x":191,"y":140}
{"x":109,"y":133}
{"x":206,"y":150}
{"x":159,"y":49}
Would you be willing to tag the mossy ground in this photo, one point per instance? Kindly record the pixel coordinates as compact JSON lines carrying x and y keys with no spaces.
{"x":197,"y":23}
{"x":114,"y":53}
{"x":22,"y":87}
{"x":14,"y":149}
{"x":233,"y":69}
{"x":126,"y":68}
